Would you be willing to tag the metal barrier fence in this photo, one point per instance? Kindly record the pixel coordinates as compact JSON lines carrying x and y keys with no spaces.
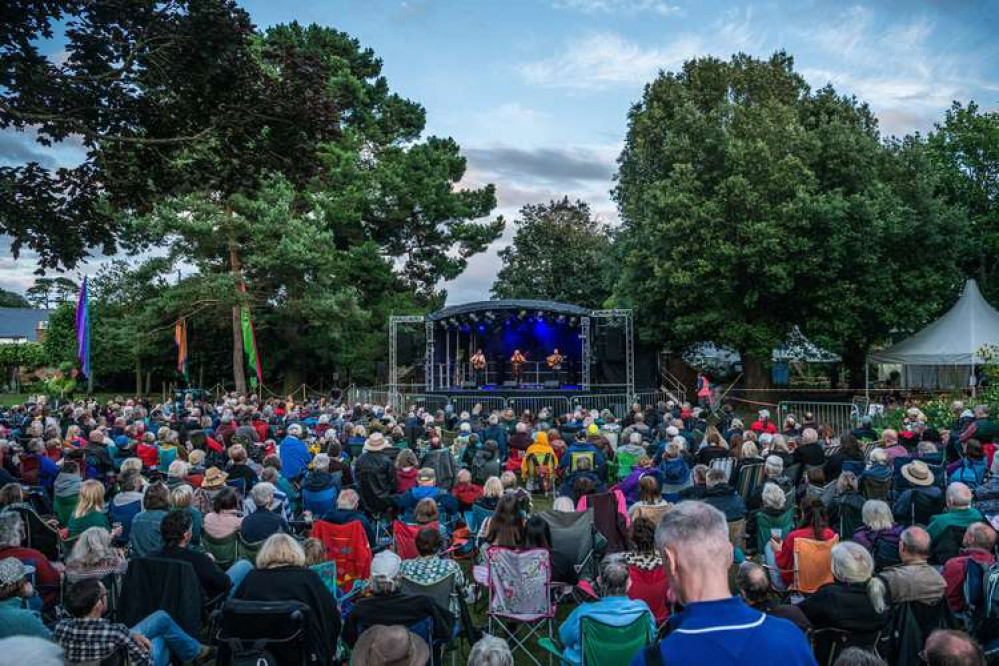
{"x":840,"y":416}
{"x":617,"y":403}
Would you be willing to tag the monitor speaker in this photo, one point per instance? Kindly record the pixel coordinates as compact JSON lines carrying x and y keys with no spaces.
{"x":509,"y":384}
{"x":468,"y":385}
{"x":551,"y":384}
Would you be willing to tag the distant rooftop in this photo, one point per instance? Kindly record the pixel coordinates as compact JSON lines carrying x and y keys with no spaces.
{"x":22,"y":323}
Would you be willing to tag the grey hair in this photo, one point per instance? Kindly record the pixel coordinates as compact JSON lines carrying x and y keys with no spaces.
{"x":321,"y":463}
{"x":774,"y":465}
{"x":916,"y":541}
{"x":490,"y":651}
{"x":773,"y":497}
{"x":384,"y":585}
{"x":348,"y":499}
{"x":749,"y":450}
{"x":263,"y":494}
{"x":846,"y":481}
{"x":11,"y":529}
{"x":855,"y":656}
{"x":851,"y":563}
{"x":31,"y":649}
{"x":91,"y":548}
{"x":876,"y":514}
{"x":879,"y":457}
{"x":613,"y":576}
{"x":696,"y":526}
{"x":958,"y":495}
{"x":563,"y":504}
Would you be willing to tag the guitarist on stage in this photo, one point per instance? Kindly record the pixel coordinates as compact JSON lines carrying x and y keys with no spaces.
{"x":554,"y":362}
{"x":517,"y":365}
{"x":479,"y":366}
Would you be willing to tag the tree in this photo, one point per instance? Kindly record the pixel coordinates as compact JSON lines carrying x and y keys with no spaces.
{"x":186,"y":101}
{"x":752,"y":204}
{"x":46,"y":293}
{"x":965,"y":147}
{"x":559,"y":253}
{"x":9,"y":299}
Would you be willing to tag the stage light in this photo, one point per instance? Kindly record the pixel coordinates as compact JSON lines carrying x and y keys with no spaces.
{"x":523,"y":313}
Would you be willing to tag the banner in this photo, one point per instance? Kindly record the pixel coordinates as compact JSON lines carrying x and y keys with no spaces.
{"x":180,"y":338}
{"x":83,"y":330}
{"x":250,"y":347}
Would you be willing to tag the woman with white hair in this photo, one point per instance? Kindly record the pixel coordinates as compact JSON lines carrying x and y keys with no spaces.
{"x":879,"y":534}
{"x":93,"y":556}
{"x":851,"y":602}
{"x":490,"y":651}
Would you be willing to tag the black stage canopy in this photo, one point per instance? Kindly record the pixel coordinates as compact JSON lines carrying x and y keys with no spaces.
{"x":511,"y":304}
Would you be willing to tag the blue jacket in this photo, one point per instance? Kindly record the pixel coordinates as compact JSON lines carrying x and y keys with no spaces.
{"x":409,"y":499}
{"x":599,"y":460}
{"x":727,"y":632}
{"x":16,"y":620}
{"x":613,"y":611}
{"x":295,"y":457}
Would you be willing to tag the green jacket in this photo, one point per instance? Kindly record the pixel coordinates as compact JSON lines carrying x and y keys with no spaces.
{"x":960,"y":518}
{"x":78,"y":526}
{"x":15,"y":620}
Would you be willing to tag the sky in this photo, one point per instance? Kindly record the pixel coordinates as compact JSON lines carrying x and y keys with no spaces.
{"x":537,"y":92}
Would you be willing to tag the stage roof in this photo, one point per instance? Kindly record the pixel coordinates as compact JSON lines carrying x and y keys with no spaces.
{"x":513,"y":305}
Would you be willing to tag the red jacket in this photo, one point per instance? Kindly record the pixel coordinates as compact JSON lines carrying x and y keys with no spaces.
{"x":759,"y":426}
{"x":46,"y":575}
{"x":466,"y":494}
{"x":149,"y":454}
{"x":953,"y":573}
{"x":405,"y":479}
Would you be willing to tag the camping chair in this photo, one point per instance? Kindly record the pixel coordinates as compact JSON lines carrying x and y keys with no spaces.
{"x":610,"y":517}
{"x":812,"y":564}
{"x":224,"y":551}
{"x":909,"y":624}
{"x":239,"y":484}
{"x":947,"y":544}
{"x":850,"y":519}
{"x":794,"y":472}
{"x":574,"y":537}
{"x":404,"y":538}
{"x":576,"y":456}
{"x":652,"y":587}
{"x":319,"y":502}
{"x":448,"y":599}
{"x":246,"y":550}
{"x":39,"y":534}
{"x":855,"y":466}
{"x":347,"y":545}
{"x":425,"y":630}
{"x":605,"y":644}
{"x":726,"y":464}
{"x":153,"y":583}
{"x":64,"y":507}
{"x":765,"y":525}
{"x":479,"y":515}
{"x":277,"y":627}
{"x":750,"y":478}
{"x":828,"y":643}
{"x":737,"y":533}
{"x":872,"y":488}
{"x":520,"y":596}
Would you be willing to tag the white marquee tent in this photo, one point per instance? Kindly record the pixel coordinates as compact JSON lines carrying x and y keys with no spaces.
{"x":945,"y":353}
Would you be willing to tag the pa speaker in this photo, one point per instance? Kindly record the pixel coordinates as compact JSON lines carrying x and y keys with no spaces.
{"x":613,"y":345}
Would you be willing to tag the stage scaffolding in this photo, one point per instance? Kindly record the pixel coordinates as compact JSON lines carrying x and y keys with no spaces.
{"x":592,"y":323}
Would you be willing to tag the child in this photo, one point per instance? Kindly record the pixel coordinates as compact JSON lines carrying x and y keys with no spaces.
{"x":315,"y":559}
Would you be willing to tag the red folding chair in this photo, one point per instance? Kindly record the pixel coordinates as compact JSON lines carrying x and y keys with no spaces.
{"x":347,"y":545}
{"x":652,"y":587}
{"x":404,"y":538}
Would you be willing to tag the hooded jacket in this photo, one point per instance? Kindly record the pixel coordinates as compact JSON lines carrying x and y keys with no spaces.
{"x":724,"y":498}
{"x":67,"y":485}
{"x":405,"y":479}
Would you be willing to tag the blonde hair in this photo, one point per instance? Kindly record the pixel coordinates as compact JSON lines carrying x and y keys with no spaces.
{"x":91,"y":498}
{"x":178,"y":469}
{"x":315,"y":551}
{"x":280,"y":550}
{"x":237,"y":453}
{"x":131,"y":463}
{"x":493,"y":487}
{"x":196,"y":457}
{"x":182,"y":496}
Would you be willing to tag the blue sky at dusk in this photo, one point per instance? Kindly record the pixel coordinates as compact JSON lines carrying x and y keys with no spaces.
{"x":537,"y":92}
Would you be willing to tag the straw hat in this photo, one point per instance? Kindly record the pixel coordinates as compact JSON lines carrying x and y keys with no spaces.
{"x":392,"y":645}
{"x":917,"y":473}
{"x":214,"y":478}
{"x":376,"y":442}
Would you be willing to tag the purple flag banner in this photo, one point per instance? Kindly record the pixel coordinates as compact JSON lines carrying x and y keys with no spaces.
{"x":83,"y":330}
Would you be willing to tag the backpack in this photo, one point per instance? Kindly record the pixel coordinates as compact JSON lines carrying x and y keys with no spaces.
{"x":969,"y":473}
{"x":885,"y":553}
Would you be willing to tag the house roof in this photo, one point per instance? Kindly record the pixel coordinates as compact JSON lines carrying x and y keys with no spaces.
{"x":21,"y":322}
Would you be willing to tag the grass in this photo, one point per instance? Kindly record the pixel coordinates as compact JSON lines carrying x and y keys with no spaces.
{"x":11,"y":399}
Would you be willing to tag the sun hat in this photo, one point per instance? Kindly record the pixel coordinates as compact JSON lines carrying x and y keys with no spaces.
{"x":389,"y":645}
{"x":918,"y":474}
{"x":375,"y":442}
{"x":13,"y":570}
{"x":214,"y":478}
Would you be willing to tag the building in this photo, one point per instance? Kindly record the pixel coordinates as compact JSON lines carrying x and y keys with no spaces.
{"x":19,"y":325}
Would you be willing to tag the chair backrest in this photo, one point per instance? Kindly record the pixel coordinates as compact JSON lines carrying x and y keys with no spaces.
{"x":440,"y":591}
{"x":479,"y":515}
{"x":726,"y":464}
{"x":607,"y":518}
{"x":576,"y":456}
{"x":279,"y":627}
{"x":39,"y":534}
{"x":225,"y":551}
{"x":607,"y":644}
{"x":873,"y":488}
{"x":625,"y":463}
{"x":652,"y":587}
{"x":519,"y":583}
{"x":319,"y":502}
{"x":239,"y":484}
{"x":765,"y":523}
{"x":347,"y":545}
{"x":750,"y":478}
{"x":850,"y":517}
{"x":812,"y":563}
{"x":247,"y":550}
{"x":153,"y":583}
{"x":947,"y":544}
{"x":737,"y":533}
{"x":404,"y":538}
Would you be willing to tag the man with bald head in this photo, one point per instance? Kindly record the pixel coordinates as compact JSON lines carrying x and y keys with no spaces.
{"x":978,"y":544}
{"x":946,"y":647}
{"x":959,"y":512}
{"x":715,"y":627}
{"x":914,"y":579}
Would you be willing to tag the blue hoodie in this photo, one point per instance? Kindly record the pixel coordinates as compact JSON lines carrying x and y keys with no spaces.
{"x":409,"y":499}
{"x":295,"y":457}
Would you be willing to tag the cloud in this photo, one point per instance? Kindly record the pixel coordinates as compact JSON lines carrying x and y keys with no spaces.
{"x":602,"y":59}
{"x":547,"y":164}
{"x":17,"y":147}
{"x":619,"y":6}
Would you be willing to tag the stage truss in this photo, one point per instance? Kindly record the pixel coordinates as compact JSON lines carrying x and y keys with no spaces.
{"x":615,"y":317}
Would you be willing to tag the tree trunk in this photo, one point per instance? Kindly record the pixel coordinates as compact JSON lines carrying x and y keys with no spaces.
{"x":149,"y":383}
{"x":138,"y":377}
{"x":757,"y":374}
{"x":238,"y":371}
{"x":855,"y":361}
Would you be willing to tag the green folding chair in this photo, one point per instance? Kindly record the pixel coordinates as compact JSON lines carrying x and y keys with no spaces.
{"x":624,"y":462}
{"x":225,"y":551}
{"x":64,"y":507}
{"x":606,"y":644}
{"x":246,"y":550}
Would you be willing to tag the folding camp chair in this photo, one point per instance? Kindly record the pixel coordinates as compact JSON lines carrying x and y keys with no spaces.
{"x":39,"y":534}
{"x":750,"y":478}
{"x":812,"y":564}
{"x":64,"y":507}
{"x":726,"y":464}
{"x":766,"y":524}
{"x":652,"y":587}
{"x":574,"y":538}
{"x":278,"y":627}
{"x":225,"y":551}
{"x":610,"y":518}
{"x":606,"y":644}
{"x":622,"y":465}
{"x":347,"y":545}
{"x":448,"y":599}
{"x":246,"y":550}
{"x":404,"y":538}
{"x":540,"y":472}
{"x":520,"y":597}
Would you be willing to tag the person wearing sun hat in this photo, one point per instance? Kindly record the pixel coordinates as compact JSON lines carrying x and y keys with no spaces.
{"x":211,"y":484}
{"x":15,"y":619}
{"x":374,"y":475}
{"x":922,"y":497}
{"x":389,"y":645}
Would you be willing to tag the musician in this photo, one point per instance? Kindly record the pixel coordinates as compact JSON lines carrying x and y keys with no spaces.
{"x":517,"y":365}
{"x":554,"y":362}
{"x":479,"y":366}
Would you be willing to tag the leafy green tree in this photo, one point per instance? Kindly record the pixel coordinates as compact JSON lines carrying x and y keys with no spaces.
{"x":559,"y":253}
{"x":752,"y":203}
{"x":46,"y":293}
{"x":60,"y":336}
{"x":9,"y":299}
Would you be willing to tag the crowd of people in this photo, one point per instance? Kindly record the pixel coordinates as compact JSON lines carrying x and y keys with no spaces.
{"x":200,"y":530}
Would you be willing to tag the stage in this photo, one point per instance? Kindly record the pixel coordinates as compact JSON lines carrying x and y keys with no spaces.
{"x":507,"y":348}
